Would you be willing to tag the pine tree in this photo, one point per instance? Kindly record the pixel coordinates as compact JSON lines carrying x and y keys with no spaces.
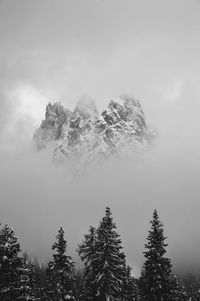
{"x":156,"y":278}
{"x":60,"y":271}
{"x":27,"y":280}
{"x":10,"y":263}
{"x":108,"y":261}
{"x":86,"y":250}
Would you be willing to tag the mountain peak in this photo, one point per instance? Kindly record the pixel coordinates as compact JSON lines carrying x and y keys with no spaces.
{"x":86,"y":135}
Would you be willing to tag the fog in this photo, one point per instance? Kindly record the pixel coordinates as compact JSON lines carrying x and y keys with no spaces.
{"x":57,"y":51}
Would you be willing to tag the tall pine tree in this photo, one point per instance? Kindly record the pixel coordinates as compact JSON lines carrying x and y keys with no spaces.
{"x":108,"y":261}
{"x":156,"y":279}
{"x":61,"y":271}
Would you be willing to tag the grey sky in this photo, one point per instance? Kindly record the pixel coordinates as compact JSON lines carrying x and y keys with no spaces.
{"x":58,"y":50}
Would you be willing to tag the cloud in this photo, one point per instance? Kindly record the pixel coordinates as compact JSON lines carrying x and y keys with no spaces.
{"x":31,"y":102}
{"x":25,"y":107}
{"x":174,"y":90}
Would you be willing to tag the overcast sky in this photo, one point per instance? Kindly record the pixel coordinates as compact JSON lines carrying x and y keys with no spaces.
{"x":57,"y":51}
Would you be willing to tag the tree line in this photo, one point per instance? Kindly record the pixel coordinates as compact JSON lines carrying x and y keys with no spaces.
{"x":105,"y":276}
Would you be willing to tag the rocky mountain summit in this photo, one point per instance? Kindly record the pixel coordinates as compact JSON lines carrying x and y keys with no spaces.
{"x":85,"y":134}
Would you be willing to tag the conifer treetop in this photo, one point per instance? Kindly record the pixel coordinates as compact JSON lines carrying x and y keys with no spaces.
{"x":61,"y":270}
{"x":60,"y":245}
{"x":60,"y":249}
{"x":156,"y":238}
{"x":86,"y":248}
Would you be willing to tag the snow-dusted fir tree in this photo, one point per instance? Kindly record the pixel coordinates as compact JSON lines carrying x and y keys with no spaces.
{"x":10,"y":263}
{"x":86,"y":251}
{"x":156,"y":279}
{"x":61,"y":271}
{"x":27,"y":280}
{"x":108,"y":261}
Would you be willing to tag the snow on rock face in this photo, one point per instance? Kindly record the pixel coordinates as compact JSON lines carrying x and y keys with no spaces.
{"x":87,"y":135}
{"x":50,"y":128}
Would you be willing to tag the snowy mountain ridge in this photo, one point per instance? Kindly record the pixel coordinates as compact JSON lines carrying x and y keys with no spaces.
{"x":86,"y":135}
